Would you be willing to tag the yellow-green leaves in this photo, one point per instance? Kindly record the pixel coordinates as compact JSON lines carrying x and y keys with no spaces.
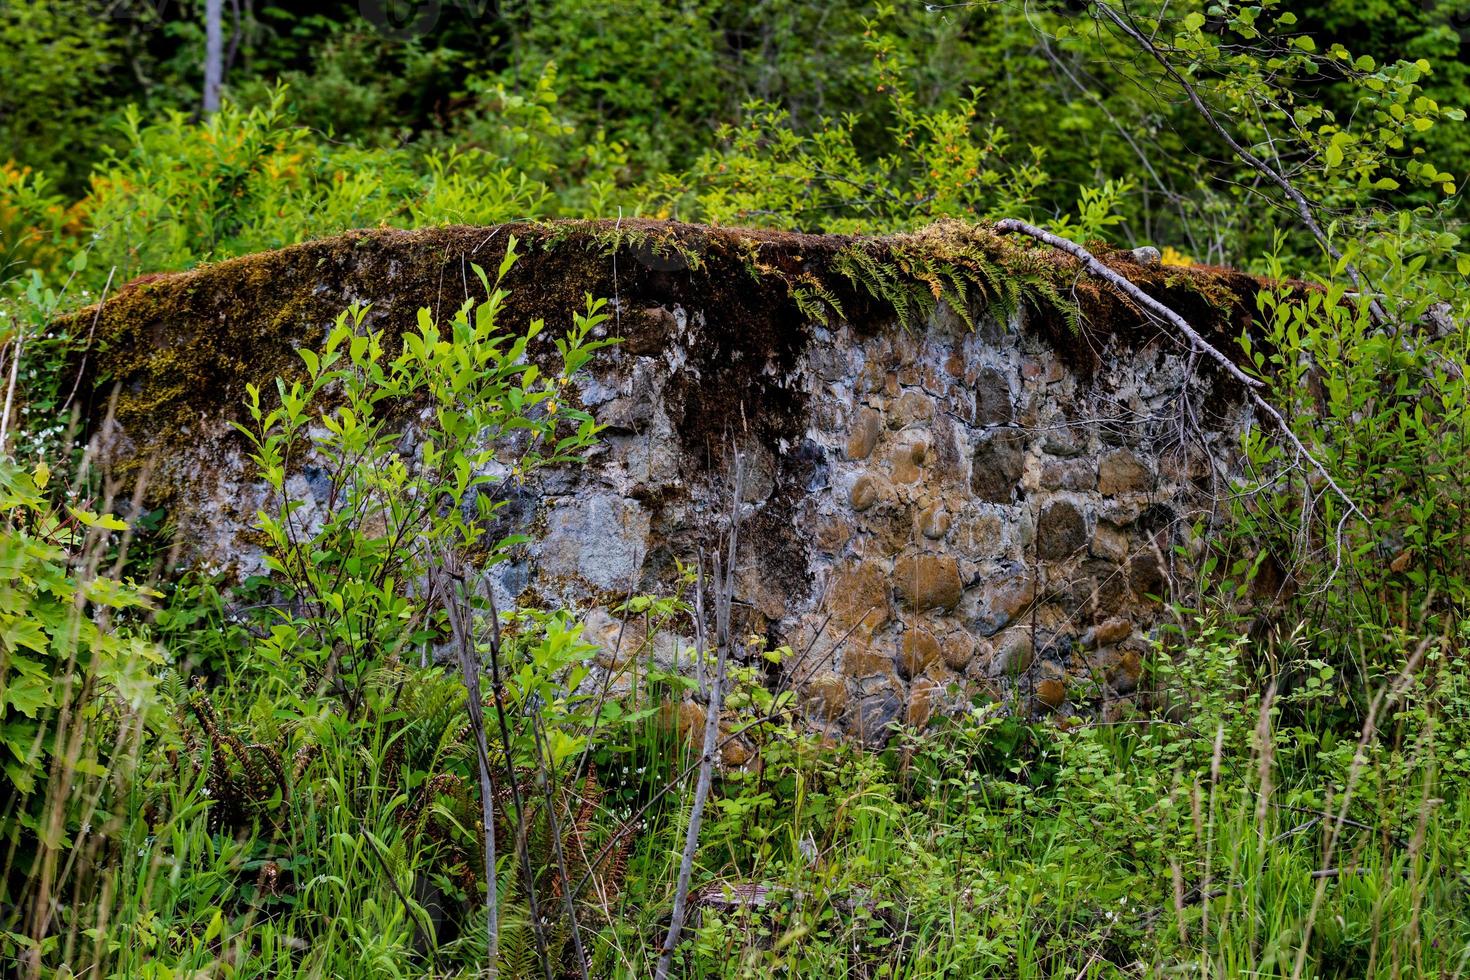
{"x":402,"y":458}
{"x":105,"y":522}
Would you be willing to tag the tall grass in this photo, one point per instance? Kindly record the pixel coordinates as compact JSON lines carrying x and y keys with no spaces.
{"x":1240,"y":839}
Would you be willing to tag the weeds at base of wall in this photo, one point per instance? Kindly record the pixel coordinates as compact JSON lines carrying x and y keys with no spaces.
{"x":224,"y":816}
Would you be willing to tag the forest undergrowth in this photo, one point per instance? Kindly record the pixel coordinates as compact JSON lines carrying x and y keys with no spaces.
{"x":354,"y":765}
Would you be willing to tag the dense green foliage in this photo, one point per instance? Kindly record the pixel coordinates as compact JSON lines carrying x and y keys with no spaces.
{"x":784,"y":112}
{"x":278,"y":779}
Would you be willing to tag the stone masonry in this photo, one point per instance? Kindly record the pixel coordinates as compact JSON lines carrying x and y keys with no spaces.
{"x":973,"y":517}
{"x":933,"y":515}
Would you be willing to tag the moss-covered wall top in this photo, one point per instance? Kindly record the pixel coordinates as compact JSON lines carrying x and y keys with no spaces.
{"x":973,"y":468}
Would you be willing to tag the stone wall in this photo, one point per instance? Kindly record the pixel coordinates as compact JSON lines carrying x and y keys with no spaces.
{"x":932,"y":513}
{"x":963,"y":514}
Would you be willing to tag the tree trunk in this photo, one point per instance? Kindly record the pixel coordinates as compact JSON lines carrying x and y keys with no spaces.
{"x":214,"y":53}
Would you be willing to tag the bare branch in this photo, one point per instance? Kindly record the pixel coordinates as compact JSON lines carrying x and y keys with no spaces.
{"x":1304,"y":208}
{"x":469,"y":665}
{"x":543,"y":770}
{"x":528,"y":873}
{"x":725,"y":584}
{"x":1196,"y":340}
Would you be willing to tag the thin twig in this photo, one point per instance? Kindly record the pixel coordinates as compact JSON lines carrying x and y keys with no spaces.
{"x":635,"y":820}
{"x":1322,"y":873}
{"x":1299,"y":200}
{"x":10,"y":388}
{"x":543,"y":769}
{"x":1196,"y":340}
{"x":470,"y":667}
{"x":528,"y":875}
{"x":1342,"y":820}
{"x":726,"y":585}
{"x":87,"y":350}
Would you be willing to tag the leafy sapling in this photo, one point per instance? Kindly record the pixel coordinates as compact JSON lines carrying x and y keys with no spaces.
{"x":406,"y":450}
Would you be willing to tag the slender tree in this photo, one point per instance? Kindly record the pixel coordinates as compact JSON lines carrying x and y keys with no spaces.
{"x":214,"y":53}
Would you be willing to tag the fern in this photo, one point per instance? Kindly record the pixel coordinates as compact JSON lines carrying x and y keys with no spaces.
{"x":816,"y":302}
{"x":888,"y":283}
{"x":952,"y":264}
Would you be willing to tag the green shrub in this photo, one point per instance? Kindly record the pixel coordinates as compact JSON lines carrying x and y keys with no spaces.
{"x":333,"y":670}
{"x":245,"y":180}
{"x":54,"y":106}
{"x":77,"y":687}
{"x":65,"y":648}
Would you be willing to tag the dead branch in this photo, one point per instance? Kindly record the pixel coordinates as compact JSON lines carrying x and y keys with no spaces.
{"x":1197,"y":342}
{"x":543,"y":768}
{"x":725,"y":584}
{"x":1299,"y":200}
{"x":528,"y":873}
{"x":469,"y":665}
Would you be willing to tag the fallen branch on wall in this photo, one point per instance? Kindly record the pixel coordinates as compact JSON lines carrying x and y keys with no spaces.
{"x":1196,"y":340}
